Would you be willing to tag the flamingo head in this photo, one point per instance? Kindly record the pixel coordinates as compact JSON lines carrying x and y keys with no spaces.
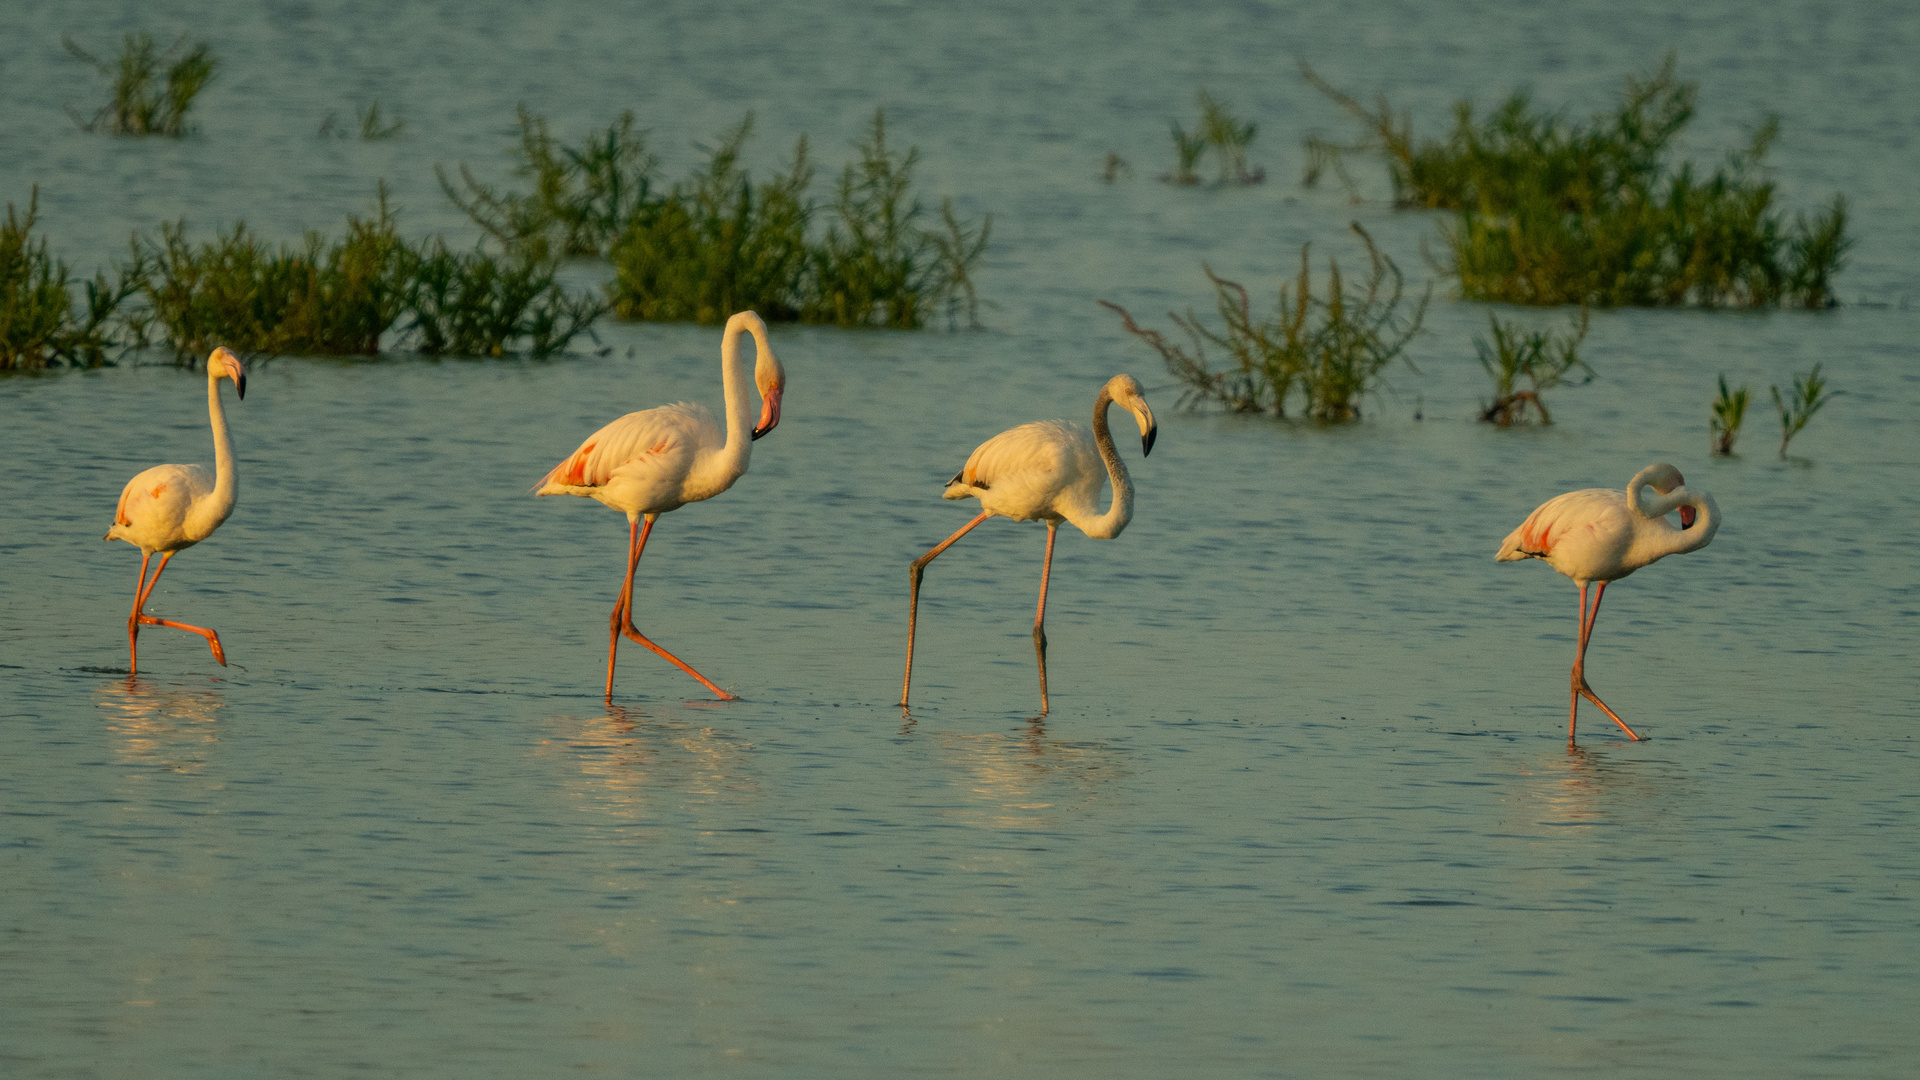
{"x":222,"y":364}
{"x":1127,"y":392}
{"x":1666,"y":479}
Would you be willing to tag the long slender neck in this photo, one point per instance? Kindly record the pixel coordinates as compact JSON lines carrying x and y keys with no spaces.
{"x":226,"y":481}
{"x":740,"y":414}
{"x":1706,"y":521}
{"x":1109,"y":525}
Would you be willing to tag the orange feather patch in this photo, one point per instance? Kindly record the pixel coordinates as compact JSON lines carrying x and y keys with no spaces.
{"x":576,"y":471}
{"x":158,"y":488}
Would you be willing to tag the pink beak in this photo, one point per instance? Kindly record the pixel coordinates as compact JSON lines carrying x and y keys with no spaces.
{"x":769,"y":413}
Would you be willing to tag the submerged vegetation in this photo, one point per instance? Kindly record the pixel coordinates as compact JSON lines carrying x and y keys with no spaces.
{"x":1550,"y":211}
{"x":1220,"y":132}
{"x":39,"y":322}
{"x":1729,"y":412}
{"x":144,"y":102}
{"x":1796,"y":409}
{"x":1541,"y":357}
{"x":373,"y":126}
{"x":716,"y":242}
{"x":1330,"y":352}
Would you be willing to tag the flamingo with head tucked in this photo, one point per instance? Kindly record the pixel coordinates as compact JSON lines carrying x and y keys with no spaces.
{"x":169,"y":508}
{"x":650,"y":462}
{"x":1602,"y":535}
{"x":1051,"y":471}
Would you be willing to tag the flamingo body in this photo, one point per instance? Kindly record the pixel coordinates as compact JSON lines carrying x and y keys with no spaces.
{"x":1602,"y":535}
{"x":169,"y":508}
{"x":1051,"y":471}
{"x":654,"y":461}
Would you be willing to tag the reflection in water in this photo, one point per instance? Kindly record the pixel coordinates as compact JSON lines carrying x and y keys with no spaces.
{"x":1580,"y":787}
{"x":166,"y":727}
{"x":626,"y":759}
{"x":1023,"y":780}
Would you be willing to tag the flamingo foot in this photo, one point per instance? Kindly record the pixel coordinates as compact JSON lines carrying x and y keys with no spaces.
{"x":213,"y":639}
{"x":633,"y":633}
{"x":1586,"y":691}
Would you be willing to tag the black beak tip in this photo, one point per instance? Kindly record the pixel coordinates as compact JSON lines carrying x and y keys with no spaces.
{"x":240,"y":387}
{"x":1146,"y":441}
{"x":759,"y":431}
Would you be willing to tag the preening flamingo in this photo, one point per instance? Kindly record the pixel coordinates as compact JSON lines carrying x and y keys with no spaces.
{"x":1050,"y":471}
{"x":649,"y":462}
{"x":172,"y":507}
{"x":1602,"y":535}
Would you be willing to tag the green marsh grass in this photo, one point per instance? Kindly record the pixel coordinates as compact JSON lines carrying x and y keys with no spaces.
{"x":1551,"y":211}
{"x":373,"y":126}
{"x":1729,"y":412}
{"x":1222,"y":133}
{"x":1809,"y":395}
{"x":585,"y":197}
{"x":39,"y":322}
{"x":1330,"y":352}
{"x":146,"y":101}
{"x":1543,"y":358}
{"x":478,"y":304}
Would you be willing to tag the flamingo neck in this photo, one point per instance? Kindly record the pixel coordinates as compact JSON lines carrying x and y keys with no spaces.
{"x":214,"y":509}
{"x":1110,"y":524}
{"x":733,"y":456}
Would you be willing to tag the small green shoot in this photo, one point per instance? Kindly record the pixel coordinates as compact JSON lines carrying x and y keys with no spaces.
{"x":1221,"y":133}
{"x":1729,"y":411}
{"x":1543,"y":358}
{"x":139,"y":105}
{"x":1809,"y":394}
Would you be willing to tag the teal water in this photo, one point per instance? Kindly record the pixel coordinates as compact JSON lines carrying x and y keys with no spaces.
{"x":1303,"y":806}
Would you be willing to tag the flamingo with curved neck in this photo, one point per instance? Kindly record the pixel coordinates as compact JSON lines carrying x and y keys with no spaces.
{"x":1051,"y":471}
{"x":650,"y":462}
{"x":1602,"y":535}
{"x":170,"y":508}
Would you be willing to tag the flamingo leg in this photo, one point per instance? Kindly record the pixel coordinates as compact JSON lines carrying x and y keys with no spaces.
{"x":624,"y":601}
{"x":623,"y":620}
{"x":1580,"y":687}
{"x":1040,"y":616}
{"x":133,"y":617}
{"x":914,"y":572}
{"x":141,"y":618}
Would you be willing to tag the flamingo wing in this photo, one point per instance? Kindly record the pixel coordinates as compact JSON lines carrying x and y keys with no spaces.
{"x":665,"y":439}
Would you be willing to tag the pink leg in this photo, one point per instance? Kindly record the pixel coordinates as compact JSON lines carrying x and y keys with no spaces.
{"x":1040,"y":616}
{"x":1580,"y":687}
{"x":914,"y":573}
{"x":133,"y":617}
{"x":623,"y":619}
{"x":141,"y":618}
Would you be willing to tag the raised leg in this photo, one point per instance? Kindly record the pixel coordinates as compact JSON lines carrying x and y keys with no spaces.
{"x":1580,"y":687}
{"x":623,"y":619}
{"x":1040,"y":616}
{"x":914,"y":572}
{"x":140,"y":617}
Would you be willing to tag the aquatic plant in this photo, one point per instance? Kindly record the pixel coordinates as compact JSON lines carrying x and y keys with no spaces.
{"x":1114,"y":168}
{"x":1332,"y":351}
{"x":139,"y":106}
{"x":478,"y":304}
{"x":585,"y":197}
{"x":39,"y":324}
{"x":1809,"y":395}
{"x":373,"y":128}
{"x":1220,"y":132}
{"x":1542,"y":357}
{"x":1556,"y":212}
{"x":1729,"y":411}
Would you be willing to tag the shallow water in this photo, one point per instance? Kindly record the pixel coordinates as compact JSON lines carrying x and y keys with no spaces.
{"x":1303,"y":806}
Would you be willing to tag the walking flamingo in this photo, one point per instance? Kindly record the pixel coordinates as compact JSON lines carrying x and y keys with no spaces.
{"x":169,"y":508}
{"x":649,"y":462}
{"x":1050,"y":471}
{"x":1602,"y":535}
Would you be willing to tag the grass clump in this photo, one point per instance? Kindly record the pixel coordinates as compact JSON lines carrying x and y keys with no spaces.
{"x":1541,"y":357}
{"x":1551,"y":211}
{"x":145,"y":102}
{"x":373,"y":126}
{"x":1729,"y":411}
{"x":39,"y":322}
{"x":1796,"y":409}
{"x":1220,"y":132}
{"x":584,"y":199}
{"x":477,"y":304}
{"x":1329,"y":352}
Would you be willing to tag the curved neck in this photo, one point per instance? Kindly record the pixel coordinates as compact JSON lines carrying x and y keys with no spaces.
{"x":740,"y":412}
{"x":1706,"y":521}
{"x":1109,"y":525}
{"x":226,"y":483}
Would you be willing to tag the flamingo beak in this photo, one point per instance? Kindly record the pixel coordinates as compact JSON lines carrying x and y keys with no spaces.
{"x":240,"y":384}
{"x":1146,"y":441}
{"x":1686,"y":517}
{"x":769,"y":412}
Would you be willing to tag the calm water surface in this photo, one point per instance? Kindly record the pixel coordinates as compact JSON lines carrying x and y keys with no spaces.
{"x":1303,"y":807}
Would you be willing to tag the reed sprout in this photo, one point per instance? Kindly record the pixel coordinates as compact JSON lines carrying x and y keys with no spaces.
{"x":1329,"y":351}
{"x":1729,"y":411}
{"x":1551,"y":211}
{"x":373,"y":126}
{"x":1809,"y":395}
{"x":1220,"y":132}
{"x":146,"y":102}
{"x":39,"y":323}
{"x":1542,"y":357}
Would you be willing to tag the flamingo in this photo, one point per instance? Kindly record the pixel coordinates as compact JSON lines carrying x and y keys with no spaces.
{"x":655,"y":460}
{"x":170,"y":508}
{"x":1602,"y":535}
{"x":1048,"y":470}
